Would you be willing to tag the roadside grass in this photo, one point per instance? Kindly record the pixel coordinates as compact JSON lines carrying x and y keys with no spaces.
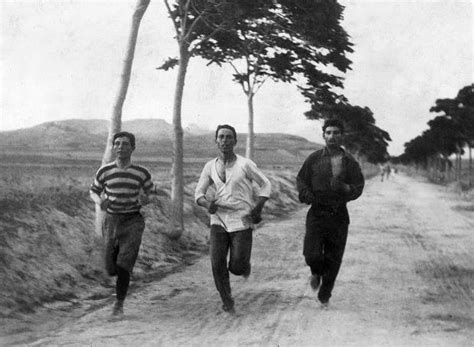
{"x":48,"y":247}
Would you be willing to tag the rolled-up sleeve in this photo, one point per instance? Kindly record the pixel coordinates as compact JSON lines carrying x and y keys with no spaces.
{"x":203,"y":183}
{"x":257,"y":176}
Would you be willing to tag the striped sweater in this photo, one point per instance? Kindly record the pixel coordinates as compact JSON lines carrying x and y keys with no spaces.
{"x":122,"y":186}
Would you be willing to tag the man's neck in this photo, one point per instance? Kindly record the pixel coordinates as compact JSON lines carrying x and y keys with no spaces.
{"x":227,"y":158}
{"x":123,"y":163}
{"x":334,"y":151}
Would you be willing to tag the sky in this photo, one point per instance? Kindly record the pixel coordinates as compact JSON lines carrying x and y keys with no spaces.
{"x":63,"y":59}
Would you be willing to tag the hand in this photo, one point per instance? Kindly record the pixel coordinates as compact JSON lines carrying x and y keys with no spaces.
{"x":338,"y":185}
{"x":104,"y":204}
{"x":254,"y":217}
{"x":212,"y":207}
{"x":143,"y":199}
{"x":310,"y":198}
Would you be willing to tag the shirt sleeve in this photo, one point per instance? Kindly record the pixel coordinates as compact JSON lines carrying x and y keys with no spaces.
{"x":303,"y":182}
{"x":147,"y":183}
{"x":256,"y":175}
{"x":203,"y":183}
{"x":356,"y":180}
{"x":97,"y":185}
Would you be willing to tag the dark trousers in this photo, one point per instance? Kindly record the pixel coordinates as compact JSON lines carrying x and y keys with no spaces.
{"x":123,"y":236}
{"x":324,"y":243}
{"x":239,"y":247}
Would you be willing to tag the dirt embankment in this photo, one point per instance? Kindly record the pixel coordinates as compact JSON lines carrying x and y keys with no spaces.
{"x":49,"y":252}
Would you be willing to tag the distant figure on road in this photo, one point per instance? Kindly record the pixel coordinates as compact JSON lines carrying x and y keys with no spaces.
{"x":117,"y":189}
{"x":232,"y":210}
{"x":328,"y":179}
{"x":385,"y":171}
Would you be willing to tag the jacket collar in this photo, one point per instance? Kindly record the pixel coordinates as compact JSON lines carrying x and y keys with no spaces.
{"x":326,"y":151}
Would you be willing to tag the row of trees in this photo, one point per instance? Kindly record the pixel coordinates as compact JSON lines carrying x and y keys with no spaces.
{"x":298,"y":41}
{"x":449,"y":133}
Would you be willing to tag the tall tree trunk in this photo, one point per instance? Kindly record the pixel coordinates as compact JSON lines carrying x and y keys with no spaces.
{"x":250,"y":147}
{"x":116,"y":119}
{"x":459,"y":166}
{"x":177,"y":181}
{"x":470,"y":166}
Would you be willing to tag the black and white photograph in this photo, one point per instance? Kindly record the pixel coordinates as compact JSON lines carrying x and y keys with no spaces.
{"x":236,"y":173}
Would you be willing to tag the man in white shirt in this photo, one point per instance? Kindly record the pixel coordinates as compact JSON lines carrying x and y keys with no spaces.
{"x":233,"y":210}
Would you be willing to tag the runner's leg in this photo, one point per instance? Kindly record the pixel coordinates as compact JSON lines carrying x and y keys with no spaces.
{"x":334,"y":246}
{"x":240,"y":252}
{"x":313,"y":244}
{"x":219,"y":247}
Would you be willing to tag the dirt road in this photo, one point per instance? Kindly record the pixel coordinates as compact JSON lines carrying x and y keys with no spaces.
{"x":406,"y":279}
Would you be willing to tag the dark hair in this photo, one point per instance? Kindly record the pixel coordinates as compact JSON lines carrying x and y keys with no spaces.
{"x":333,"y":123}
{"x":226,"y":126}
{"x":130,"y":136}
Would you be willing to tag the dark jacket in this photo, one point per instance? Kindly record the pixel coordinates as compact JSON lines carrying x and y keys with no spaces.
{"x":314,"y":181}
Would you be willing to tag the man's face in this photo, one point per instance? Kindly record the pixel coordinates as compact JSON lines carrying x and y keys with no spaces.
{"x":225,"y":140}
{"x":333,"y":137}
{"x":122,"y":147}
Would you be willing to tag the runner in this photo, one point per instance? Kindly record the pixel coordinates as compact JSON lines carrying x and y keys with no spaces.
{"x":328,"y":179}
{"x":233,"y":210}
{"x":117,"y":189}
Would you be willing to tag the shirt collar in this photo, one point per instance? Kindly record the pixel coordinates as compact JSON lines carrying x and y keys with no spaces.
{"x":326,"y":151}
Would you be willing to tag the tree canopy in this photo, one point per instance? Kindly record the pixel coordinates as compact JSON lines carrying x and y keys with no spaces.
{"x":449,"y":132}
{"x":196,"y":23}
{"x":362,"y":136}
{"x":288,"y":41}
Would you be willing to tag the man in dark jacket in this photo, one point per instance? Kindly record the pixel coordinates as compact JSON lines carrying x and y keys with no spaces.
{"x":328,"y":179}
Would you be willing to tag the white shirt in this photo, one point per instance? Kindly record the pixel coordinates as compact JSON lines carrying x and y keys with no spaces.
{"x":234,"y":197}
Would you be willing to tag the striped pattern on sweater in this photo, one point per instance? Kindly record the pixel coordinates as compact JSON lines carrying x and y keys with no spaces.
{"x":122,"y":186}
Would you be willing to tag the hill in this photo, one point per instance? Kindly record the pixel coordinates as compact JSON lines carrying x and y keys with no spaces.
{"x":85,"y":139}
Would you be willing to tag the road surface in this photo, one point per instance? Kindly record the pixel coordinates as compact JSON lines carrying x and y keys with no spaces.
{"x":406,"y":279}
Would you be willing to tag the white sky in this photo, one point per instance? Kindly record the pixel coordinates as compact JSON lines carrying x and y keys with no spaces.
{"x":62,"y":59}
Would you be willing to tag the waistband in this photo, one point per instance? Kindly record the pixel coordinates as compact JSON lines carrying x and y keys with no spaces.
{"x":126,"y":214}
{"x":328,"y":208}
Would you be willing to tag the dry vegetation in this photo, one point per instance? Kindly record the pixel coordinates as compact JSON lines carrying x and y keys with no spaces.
{"x":49,"y":250}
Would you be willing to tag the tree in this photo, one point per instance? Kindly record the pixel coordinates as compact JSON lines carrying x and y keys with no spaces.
{"x":435,"y":145}
{"x":116,"y":118}
{"x":362,"y":137}
{"x":449,"y":139}
{"x":460,"y":111}
{"x":289,"y":39}
{"x":419,"y":150}
{"x":195,"y":23}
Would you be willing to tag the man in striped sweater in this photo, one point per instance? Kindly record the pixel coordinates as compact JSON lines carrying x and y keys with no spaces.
{"x":117,"y":189}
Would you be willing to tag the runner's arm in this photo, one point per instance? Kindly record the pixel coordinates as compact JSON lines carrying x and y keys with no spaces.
{"x":303,"y":183}
{"x":356,"y":181}
{"x":95,"y":193}
{"x":201,"y":190}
